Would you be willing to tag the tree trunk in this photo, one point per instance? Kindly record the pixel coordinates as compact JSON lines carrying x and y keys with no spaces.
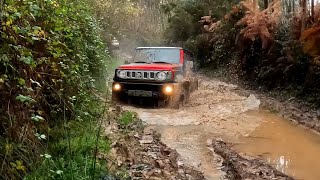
{"x":312,"y":11}
{"x":293,"y":6}
{"x":303,"y":15}
{"x":266,"y":4}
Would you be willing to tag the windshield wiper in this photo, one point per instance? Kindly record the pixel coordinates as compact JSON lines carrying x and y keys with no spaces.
{"x":161,"y":62}
{"x":141,"y":62}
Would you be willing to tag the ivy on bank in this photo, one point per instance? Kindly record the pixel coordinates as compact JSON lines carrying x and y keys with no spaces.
{"x":51,"y":58}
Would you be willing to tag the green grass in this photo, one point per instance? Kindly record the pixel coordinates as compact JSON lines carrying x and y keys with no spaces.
{"x":71,"y":147}
{"x":72,"y":156}
{"x":126,"y":118}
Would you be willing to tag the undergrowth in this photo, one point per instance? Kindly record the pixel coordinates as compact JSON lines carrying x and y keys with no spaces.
{"x":126,"y":118}
{"x":52,"y":59}
{"x":73,"y":157}
{"x":271,"y":46}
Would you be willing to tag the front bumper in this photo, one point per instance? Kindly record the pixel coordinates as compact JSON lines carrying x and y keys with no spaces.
{"x":148,"y":90}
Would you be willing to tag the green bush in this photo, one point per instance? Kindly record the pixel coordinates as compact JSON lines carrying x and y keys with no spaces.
{"x":263,"y":48}
{"x":126,"y":118}
{"x":52,"y":57}
{"x":185,"y":30}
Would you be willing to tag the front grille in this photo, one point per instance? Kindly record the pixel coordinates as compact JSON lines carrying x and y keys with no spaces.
{"x":136,"y":74}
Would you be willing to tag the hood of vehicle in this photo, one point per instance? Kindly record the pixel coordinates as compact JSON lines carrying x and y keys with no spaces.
{"x":152,"y":66}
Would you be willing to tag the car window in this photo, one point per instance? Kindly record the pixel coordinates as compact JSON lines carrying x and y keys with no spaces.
{"x":151,"y":55}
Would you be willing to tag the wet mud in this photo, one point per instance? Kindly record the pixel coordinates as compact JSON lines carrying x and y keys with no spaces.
{"x":217,"y":110}
{"x":141,"y":154}
{"x":288,"y":147}
{"x":212,"y":111}
{"x":244,"y":167}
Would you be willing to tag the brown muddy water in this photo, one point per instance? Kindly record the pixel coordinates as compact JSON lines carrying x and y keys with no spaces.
{"x":290,"y":148}
{"x":215,"y":111}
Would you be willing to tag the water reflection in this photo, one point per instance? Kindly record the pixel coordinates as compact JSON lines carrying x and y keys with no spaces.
{"x":291,"y":149}
{"x":281,"y":164}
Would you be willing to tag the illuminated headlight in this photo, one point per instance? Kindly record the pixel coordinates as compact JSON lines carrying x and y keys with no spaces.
{"x":116,"y":87}
{"x":168,"y":89}
{"x":162,"y":76}
{"x":121,"y":74}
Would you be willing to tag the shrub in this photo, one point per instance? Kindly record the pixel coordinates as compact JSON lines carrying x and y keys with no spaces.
{"x":51,"y":58}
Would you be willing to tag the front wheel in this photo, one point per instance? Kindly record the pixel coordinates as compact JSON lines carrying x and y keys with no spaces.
{"x":115,"y":98}
{"x":174,"y":103}
{"x":160,"y":103}
{"x":180,"y":99}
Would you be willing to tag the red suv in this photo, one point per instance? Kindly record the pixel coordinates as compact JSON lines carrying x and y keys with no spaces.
{"x":161,"y":73}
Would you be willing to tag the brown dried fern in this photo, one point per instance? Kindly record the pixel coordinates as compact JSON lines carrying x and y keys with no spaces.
{"x":311,"y":42}
{"x":259,"y":24}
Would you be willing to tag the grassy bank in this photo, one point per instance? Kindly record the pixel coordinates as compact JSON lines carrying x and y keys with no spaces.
{"x":73,"y":155}
{"x":52,"y":59}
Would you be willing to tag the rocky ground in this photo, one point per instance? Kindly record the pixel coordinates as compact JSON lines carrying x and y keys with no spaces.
{"x":138,"y":153}
{"x":141,"y":154}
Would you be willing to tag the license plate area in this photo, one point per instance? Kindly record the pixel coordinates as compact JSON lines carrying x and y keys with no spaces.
{"x":140,"y":93}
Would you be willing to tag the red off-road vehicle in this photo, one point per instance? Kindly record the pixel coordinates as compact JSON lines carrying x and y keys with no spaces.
{"x":161,"y":73}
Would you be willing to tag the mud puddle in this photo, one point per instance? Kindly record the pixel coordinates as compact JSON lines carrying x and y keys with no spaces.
{"x":291,"y":149}
{"x":216,"y":111}
{"x":213,"y":111}
{"x":191,"y":144}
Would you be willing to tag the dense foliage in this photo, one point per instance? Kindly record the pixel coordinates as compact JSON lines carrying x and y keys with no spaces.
{"x":273,"y":43}
{"x":52,"y":57}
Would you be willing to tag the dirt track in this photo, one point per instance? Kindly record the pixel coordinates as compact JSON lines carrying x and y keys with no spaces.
{"x":217,"y":111}
{"x":212,"y":111}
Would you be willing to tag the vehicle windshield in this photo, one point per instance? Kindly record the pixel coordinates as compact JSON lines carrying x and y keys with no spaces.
{"x":157,"y":55}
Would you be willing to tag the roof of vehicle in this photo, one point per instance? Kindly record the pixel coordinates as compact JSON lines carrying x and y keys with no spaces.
{"x":163,"y":47}
{"x":159,"y":48}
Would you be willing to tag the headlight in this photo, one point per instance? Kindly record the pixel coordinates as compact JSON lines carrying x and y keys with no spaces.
{"x":116,"y":87}
{"x":168,"y":89}
{"x":162,"y":76}
{"x":121,"y":74}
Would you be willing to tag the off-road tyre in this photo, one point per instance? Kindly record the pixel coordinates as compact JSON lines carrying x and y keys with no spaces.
{"x":176,"y":102}
{"x":115,"y":98}
{"x":194,"y":86}
{"x":160,"y":103}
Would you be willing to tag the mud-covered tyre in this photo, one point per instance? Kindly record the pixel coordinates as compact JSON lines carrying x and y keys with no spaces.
{"x":173,"y":103}
{"x":194,"y":85}
{"x":160,"y":103}
{"x":179,"y":101}
{"x":115,"y":98}
{"x":184,"y":97}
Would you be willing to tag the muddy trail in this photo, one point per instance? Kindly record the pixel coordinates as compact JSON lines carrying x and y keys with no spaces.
{"x":217,"y":111}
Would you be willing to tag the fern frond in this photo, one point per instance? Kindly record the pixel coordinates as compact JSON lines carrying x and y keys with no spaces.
{"x":311,"y":40}
{"x":259,"y":24}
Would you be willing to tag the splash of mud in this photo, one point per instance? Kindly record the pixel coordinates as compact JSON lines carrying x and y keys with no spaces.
{"x":212,"y":111}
